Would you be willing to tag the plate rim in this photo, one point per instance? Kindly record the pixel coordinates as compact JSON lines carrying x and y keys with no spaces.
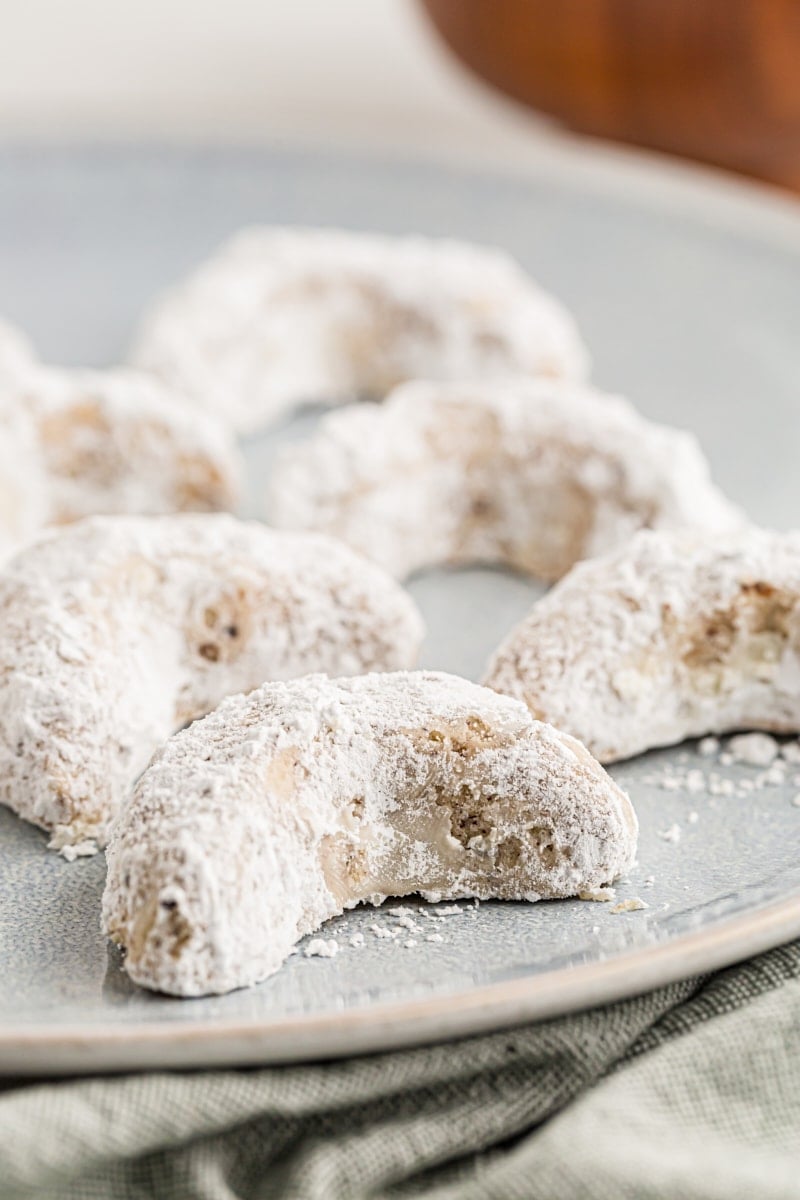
{"x":395,"y":1025}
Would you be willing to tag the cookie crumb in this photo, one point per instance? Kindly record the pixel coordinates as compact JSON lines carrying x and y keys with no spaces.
{"x":754,"y":749}
{"x":406,"y":922}
{"x":434,"y":937}
{"x":634,"y":904}
{"x":708,"y":747}
{"x":320,"y":948}
{"x":77,"y":850}
{"x":774,"y":776}
{"x":600,"y":895}
{"x":673,"y":834}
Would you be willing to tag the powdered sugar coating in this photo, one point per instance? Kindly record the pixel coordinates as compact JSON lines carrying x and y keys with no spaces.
{"x":676,"y":635}
{"x":534,"y":474}
{"x":121,"y":441}
{"x":117,"y":630}
{"x":287,"y":806}
{"x":279,"y":317}
{"x":23,"y":486}
{"x":23,"y":502}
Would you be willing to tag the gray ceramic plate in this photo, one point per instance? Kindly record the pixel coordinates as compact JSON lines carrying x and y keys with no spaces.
{"x":689,"y":296}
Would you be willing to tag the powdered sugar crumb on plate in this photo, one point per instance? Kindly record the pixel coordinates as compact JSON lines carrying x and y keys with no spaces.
{"x":321,"y":948}
{"x":633,"y":904}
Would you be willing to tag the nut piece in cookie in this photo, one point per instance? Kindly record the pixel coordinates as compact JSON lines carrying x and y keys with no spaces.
{"x":287,"y":806}
{"x":531,"y":474}
{"x":115,"y":631}
{"x":676,"y":635}
{"x":281,"y":317}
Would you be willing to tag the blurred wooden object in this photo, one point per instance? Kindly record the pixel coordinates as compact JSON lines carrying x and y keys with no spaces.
{"x":715,"y":80}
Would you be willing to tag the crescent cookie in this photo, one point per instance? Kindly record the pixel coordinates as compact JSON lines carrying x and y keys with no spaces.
{"x":120,"y":441}
{"x":532,"y":474}
{"x":674,"y":636}
{"x":287,"y":806}
{"x":280,"y":317}
{"x":117,"y":630}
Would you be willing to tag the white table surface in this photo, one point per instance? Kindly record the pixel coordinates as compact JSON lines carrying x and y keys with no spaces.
{"x":343,"y":71}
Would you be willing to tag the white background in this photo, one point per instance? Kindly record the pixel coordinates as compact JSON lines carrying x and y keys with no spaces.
{"x":334,"y":72}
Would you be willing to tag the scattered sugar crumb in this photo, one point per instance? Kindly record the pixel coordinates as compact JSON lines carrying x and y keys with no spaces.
{"x":78,"y":850}
{"x":790,"y":751}
{"x":649,"y":881}
{"x":434,"y":937}
{"x":406,"y":922}
{"x":601,"y":895}
{"x":708,"y":747}
{"x":693,"y":818}
{"x":774,"y":776}
{"x":357,"y":940}
{"x":719,"y":786}
{"x":634,"y":904}
{"x":452,"y":910}
{"x":320,"y":948}
{"x":381,"y":931}
{"x":673,"y":834}
{"x":401,"y":910}
{"x":796,"y":800}
{"x":726,"y":759}
{"x":755,"y":749}
{"x":595,"y":929}
{"x":410,"y":943}
{"x":695,"y":781}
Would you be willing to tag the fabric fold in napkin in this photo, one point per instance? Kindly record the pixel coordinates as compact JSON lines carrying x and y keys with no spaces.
{"x":690,"y":1091}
